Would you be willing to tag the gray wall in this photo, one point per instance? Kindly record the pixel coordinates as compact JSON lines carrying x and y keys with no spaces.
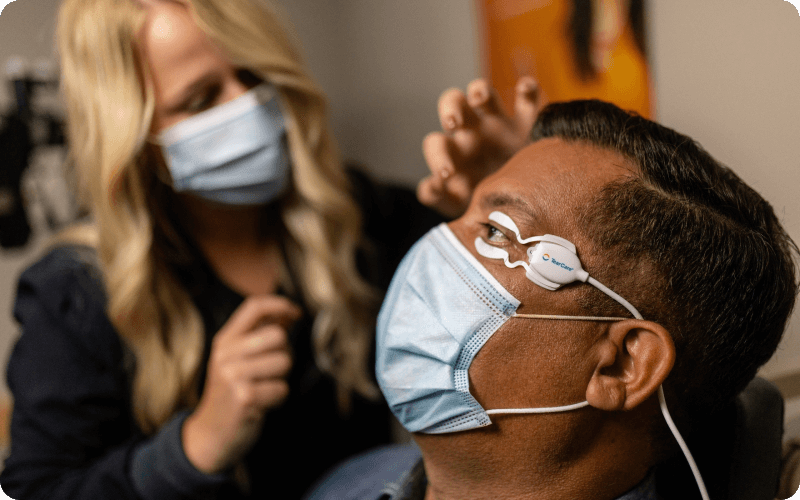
{"x":383,"y":64}
{"x":26,"y":29}
{"x":727,"y":74}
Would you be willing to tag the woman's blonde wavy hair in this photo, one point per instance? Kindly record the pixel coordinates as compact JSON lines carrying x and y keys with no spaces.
{"x":110,"y":106}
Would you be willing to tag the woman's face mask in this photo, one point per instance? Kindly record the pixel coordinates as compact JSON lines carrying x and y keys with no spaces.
{"x":234,"y":153}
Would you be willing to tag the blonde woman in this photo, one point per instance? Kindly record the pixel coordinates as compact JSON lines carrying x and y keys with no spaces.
{"x":209,"y":332}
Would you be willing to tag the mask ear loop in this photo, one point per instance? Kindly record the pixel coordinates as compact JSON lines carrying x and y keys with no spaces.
{"x":557,"y":409}
{"x":505,"y":221}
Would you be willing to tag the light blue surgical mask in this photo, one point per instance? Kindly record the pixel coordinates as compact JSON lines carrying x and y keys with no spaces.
{"x":441,"y":308}
{"x":234,"y":153}
{"x":443,"y":305}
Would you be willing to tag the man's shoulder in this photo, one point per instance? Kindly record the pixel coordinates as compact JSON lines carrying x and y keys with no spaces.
{"x":646,"y":490}
{"x":371,"y":475}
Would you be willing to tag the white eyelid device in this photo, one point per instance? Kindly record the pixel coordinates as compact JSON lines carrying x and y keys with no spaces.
{"x":552,"y":261}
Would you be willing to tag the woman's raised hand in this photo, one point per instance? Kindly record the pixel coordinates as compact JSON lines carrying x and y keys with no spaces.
{"x":247,"y":369}
{"x":477,"y":138}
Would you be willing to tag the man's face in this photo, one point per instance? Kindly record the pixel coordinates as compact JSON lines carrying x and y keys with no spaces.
{"x":535,"y":362}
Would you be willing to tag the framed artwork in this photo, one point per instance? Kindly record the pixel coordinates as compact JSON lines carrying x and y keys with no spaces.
{"x":576,"y":49}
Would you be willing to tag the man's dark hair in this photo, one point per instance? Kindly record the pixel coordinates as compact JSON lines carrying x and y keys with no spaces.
{"x":690,"y":245}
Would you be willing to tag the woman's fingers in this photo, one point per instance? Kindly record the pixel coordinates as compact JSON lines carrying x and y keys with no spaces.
{"x":454,"y":110}
{"x":448,"y":196}
{"x":483,"y":99}
{"x":248,"y":372}
{"x":247,"y":369}
{"x":274,"y":365}
{"x":265,"y":339}
{"x":429,"y":191}
{"x":449,"y":108}
{"x":443,"y":201}
{"x":261,"y":395}
{"x":436,"y":149}
{"x":258,"y":310}
{"x":526,"y":104}
{"x":477,"y":138}
{"x":459,"y":110}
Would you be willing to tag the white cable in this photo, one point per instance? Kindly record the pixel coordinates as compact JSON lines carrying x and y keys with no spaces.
{"x":624,"y":303}
{"x":697,"y":477}
{"x":661,"y":399}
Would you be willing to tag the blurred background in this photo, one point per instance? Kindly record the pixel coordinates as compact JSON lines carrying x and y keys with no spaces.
{"x":725,"y":72}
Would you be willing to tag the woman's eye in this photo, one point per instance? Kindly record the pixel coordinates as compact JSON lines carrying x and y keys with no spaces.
{"x":495,"y":235}
{"x":203,"y":101}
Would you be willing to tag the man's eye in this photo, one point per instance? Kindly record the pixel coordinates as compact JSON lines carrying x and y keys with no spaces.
{"x":495,"y":235}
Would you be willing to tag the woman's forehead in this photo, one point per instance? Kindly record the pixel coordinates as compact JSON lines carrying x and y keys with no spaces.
{"x":176,"y":50}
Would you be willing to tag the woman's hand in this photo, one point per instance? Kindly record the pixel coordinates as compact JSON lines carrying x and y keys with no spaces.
{"x":477,"y":139}
{"x":247,"y":371}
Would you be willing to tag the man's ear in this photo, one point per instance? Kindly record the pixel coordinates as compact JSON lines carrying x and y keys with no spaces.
{"x":633,"y":360}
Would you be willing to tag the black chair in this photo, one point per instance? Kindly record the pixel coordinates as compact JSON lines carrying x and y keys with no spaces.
{"x":738,"y":451}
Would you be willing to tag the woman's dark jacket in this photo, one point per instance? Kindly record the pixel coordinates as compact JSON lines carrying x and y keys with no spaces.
{"x":73,"y":435}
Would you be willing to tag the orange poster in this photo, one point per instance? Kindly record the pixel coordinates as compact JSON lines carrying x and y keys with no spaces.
{"x":575,"y":49}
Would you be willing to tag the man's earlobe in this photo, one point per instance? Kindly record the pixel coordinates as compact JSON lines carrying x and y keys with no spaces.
{"x":633,"y":360}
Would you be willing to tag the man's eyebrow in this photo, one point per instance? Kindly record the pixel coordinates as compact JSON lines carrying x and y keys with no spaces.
{"x":523,"y":213}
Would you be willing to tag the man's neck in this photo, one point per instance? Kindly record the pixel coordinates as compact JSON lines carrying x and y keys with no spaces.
{"x":560,"y":486}
{"x":603,"y":468}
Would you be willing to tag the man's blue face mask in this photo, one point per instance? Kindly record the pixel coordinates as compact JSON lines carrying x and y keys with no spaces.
{"x":441,"y":308}
{"x":443,"y":305}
